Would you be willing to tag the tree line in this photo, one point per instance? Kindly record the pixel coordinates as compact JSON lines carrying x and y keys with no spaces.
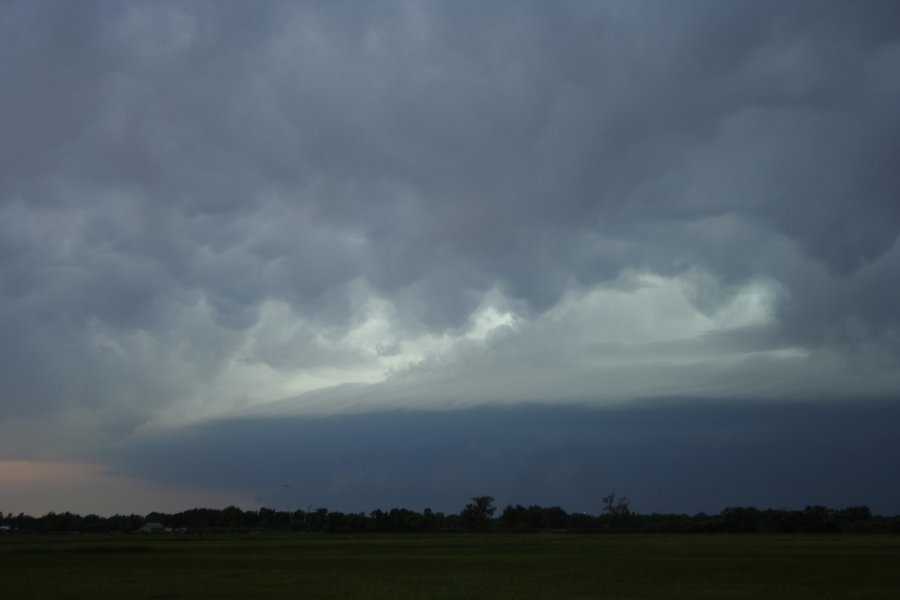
{"x":480,"y":515}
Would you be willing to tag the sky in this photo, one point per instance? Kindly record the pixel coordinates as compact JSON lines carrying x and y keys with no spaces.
{"x":403,"y":253}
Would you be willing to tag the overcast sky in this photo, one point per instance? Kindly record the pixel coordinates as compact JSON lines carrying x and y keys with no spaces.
{"x":515,"y":224}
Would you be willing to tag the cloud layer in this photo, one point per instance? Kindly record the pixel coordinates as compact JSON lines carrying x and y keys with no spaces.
{"x":673,"y":456}
{"x":206,"y":207}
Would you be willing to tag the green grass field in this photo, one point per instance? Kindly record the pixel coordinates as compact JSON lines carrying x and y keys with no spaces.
{"x":450,"y":566}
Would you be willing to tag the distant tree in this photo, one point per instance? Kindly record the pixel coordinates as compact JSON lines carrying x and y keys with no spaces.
{"x":617,"y":509}
{"x":741,"y":519}
{"x":378,"y":520}
{"x":296,"y":522}
{"x":854,"y":519}
{"x":317,"y":519}
{"x":432,"y":520}
{"x":855,"y":513}
{"x":476,"y":516}
{"x":782,"y":520}
{"x":818,"y":519}
{"x":553,"y":517}
{"x":513,"y":517}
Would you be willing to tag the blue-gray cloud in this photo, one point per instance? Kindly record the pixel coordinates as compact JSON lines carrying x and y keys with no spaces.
{"x":672,"y":455}
{"x":209,"y":204}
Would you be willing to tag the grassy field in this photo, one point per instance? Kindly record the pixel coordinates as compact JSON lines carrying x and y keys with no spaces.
{"x":449,"y":566}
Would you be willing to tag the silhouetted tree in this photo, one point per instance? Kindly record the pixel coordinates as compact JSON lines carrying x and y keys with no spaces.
{"x":617,"y":509}
{"x":818,"y":519}
{"x":432,"y":520}
{"x":513,"y":517}
{"x":476,"y":516}
{"x":741,"y":519}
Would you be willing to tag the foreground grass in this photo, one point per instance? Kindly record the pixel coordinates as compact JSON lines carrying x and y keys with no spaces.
{"x":452,"y":566}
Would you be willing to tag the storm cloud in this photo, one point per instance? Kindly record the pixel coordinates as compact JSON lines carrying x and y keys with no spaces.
{"x":672,"y":455}
{"x":220,"y":209}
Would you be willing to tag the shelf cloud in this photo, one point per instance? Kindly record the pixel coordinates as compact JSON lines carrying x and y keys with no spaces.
{"x":219,"y":211}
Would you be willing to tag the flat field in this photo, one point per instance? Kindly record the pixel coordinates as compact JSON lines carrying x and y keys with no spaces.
{"x":450,"y":566}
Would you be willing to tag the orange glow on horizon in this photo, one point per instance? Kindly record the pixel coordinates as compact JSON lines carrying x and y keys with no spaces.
{"x":39,"y":487}
{"x":27,"y":471}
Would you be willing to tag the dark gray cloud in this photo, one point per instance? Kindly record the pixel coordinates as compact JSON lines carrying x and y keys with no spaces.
{"x":205,"y":205}
{"x":675,"y":455}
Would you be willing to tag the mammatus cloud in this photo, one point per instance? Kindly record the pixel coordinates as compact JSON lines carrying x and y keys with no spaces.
{"x":206,"y":207}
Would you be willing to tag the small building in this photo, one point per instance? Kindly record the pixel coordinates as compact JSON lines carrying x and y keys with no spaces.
{"x":153,"y":528}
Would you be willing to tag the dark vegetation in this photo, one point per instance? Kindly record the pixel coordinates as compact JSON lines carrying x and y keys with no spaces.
{"x":477,"y":516}
{"x":459,"y":565}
